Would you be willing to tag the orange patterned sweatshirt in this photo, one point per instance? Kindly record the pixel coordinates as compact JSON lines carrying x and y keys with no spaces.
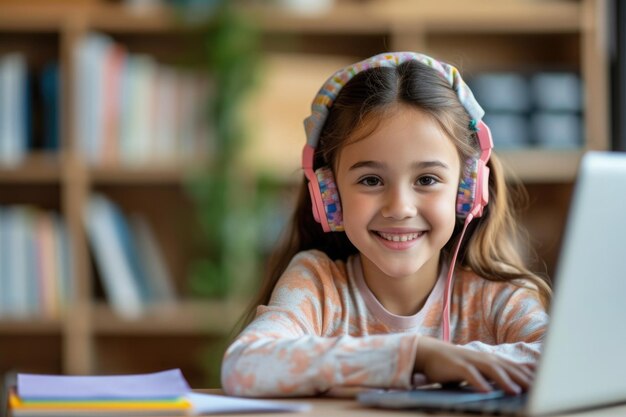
{"x":324,"y":328}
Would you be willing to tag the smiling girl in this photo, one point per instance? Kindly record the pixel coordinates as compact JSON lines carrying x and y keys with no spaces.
{"x":396,"y":271}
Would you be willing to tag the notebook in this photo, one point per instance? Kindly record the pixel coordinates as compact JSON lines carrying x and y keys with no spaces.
{"x":583,"y":363}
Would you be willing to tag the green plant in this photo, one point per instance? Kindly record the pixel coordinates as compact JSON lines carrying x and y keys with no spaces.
{"x":223,"y":196}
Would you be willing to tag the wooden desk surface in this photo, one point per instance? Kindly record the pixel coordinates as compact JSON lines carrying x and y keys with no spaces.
{"x":348,"y":407}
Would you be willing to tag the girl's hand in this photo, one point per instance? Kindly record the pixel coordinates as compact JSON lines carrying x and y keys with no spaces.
{"x":444,"y":362}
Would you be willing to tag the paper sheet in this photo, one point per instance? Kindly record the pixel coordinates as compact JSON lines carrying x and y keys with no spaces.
{"x":214,"y":404}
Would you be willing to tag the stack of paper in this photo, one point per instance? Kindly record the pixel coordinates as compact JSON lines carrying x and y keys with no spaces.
{"x":161,"y":393}
{"x":156,"y":394}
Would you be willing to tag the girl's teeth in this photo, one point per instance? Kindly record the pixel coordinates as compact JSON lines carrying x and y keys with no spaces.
{"x":399,"y":237}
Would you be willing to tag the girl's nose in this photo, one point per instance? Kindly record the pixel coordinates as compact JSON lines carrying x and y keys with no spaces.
{"x":399,"y":204}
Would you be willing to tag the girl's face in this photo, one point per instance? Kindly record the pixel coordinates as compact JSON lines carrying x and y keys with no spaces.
{"x":398,"y":190}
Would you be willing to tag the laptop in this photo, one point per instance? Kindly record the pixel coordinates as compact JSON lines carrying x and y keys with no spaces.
{"x":583,"y":363}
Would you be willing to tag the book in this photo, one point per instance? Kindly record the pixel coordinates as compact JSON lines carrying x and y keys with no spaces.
{"x":65,"y":270}
{"x":47,"y":272}
{"x":114,"y":64}
{"x":35,"y":273}
{"x":165,"y":114}
{"x":138,"y":144}
{"x":89,"y":58}
{"x":119,"y":283}
{"x":51,"y":102}
{"x":126,"y":239}
{"x":19,"y":278}
{"x":13,"y":109}
{"x":159,"y":280}
{"x":19,"y":275}
{"x":117,"y":408}
{"x":5,"y":244}
{"x":159,"y":393}
{"x":131,"y":263}
{"x":153,"y":394}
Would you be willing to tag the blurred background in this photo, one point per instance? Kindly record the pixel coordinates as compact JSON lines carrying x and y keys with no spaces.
{"x":150,"y":151}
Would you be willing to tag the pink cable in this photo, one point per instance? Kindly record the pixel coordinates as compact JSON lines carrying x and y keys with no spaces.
{"x":447,"y":292}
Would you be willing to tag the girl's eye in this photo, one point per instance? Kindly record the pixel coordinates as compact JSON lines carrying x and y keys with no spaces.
{"x":426,"y":180}
{"x":371,"y":181}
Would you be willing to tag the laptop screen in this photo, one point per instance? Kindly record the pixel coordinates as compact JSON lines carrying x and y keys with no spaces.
{"x":583,"y":363}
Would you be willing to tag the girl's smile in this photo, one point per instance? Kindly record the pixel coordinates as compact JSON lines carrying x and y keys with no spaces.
{"x":398,"y":189}
{"x":399,"y":239}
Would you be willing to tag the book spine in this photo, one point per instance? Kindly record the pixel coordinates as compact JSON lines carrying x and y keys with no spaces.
{"x":51,"y":103}
{"x":13,"y":115}
{"x":116,"y":274}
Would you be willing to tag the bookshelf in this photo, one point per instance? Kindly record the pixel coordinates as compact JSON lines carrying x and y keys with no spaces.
{"x":514,"y":36}
{"x":91,"y":337}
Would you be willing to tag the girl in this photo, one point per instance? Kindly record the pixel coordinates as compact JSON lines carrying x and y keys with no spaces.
{"x":403,"y":166}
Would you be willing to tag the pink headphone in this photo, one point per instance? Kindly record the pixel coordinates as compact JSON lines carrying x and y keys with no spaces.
{"x":473,"y":192}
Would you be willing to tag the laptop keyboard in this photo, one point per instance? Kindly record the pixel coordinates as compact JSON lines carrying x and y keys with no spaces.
{"x":457,"y":399}
{"x":508,"y":405}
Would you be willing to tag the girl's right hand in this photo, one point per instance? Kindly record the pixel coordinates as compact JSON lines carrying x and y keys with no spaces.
{"x":444,"y":362}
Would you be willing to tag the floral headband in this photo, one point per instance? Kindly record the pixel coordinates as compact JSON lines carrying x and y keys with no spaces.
{"x":328,"y":93}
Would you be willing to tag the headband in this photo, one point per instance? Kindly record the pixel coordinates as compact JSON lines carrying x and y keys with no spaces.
{"x":328,"y":93}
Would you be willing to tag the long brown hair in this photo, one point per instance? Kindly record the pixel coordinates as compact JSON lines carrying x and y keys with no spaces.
{"x":491,"y":245}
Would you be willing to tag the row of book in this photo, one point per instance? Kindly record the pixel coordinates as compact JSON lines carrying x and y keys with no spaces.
{"x":132,"y":110}
{"x":35,"y":263}
{"x":36,"y":268}
{"x":541,"y":109}
{"x":130,"y":261}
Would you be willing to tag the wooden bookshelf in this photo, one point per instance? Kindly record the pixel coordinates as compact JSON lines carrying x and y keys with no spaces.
{"x":165,"y":174}
{"x":184,"y":318}
{"x":542,"y":165}
{"x":421,"y":15}
{"x":478,"y":35}
{"x":31,"y":326}
{"x":41,"y":168}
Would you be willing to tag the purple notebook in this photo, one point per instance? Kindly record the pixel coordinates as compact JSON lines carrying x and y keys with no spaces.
{"x":158,"y":385}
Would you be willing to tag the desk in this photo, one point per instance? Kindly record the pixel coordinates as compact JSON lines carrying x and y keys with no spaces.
{"x":348,"y":407}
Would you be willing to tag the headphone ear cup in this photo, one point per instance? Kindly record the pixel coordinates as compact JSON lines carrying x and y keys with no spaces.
{"x":330,"y":199}
{"x":466,"y":194}
{"x":473,"y":193}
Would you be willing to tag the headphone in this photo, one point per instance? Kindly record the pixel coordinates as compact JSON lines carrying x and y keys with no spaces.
{"x":473,"y":192}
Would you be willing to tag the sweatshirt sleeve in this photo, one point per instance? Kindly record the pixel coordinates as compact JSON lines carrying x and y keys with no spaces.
{"x":516,"y":319}
{"x":284,"y":351}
